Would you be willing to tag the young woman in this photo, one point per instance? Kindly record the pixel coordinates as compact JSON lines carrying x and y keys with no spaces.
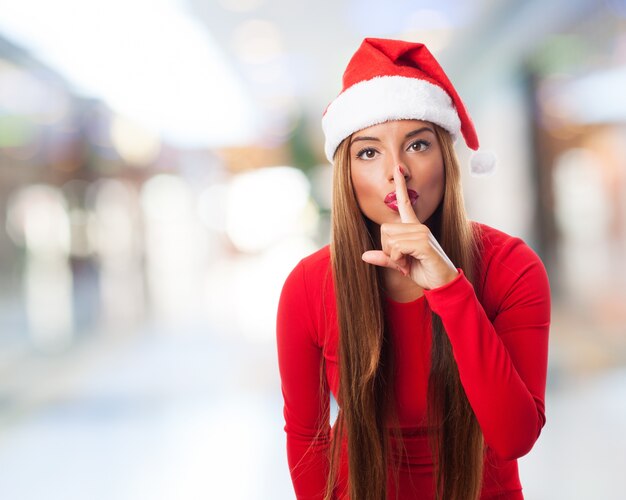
{"x":430,"y":330}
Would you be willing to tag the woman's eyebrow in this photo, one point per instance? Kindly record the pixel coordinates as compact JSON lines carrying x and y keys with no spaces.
{"x":364,"y":138}
{"x":419,"y":131}
{"x":410,"y":134}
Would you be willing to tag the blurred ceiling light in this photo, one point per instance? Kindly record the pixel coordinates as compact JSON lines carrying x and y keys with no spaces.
{"x":212,"y":206}
{"x":241,"y":5}
{"x":38,"y":220}
{"x":266,"y":205}
{"x":112,"y":228}
{"x":134,"y":143}
{"x":166,"y":198}
{"x":257,"y":42}
{"x":146,"y":58}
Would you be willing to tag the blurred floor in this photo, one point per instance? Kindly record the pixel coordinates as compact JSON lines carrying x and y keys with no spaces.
{"x":186,"y":414}
{"x":582,"y":450}
{"x":164,"y":415}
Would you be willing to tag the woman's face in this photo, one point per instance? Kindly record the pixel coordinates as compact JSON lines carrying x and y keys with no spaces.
{"x":375,"y":152}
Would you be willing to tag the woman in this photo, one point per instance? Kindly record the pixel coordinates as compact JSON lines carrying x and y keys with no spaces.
{"x":431,"y":331}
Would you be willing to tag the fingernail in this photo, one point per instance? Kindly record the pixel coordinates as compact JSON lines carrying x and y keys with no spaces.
{"x":400,"y":169}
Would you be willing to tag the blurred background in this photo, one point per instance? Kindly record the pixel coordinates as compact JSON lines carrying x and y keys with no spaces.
{"x":161,"y":172}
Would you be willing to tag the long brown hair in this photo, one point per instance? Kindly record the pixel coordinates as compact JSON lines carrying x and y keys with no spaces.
{"x":365,"y":399}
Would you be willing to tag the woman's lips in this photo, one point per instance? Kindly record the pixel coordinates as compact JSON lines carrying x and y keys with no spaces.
{"x":392,"y":202}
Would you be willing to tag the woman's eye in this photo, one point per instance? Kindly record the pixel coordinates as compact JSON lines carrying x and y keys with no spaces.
{"x":366,"y":154}
{"x":420,"y":145}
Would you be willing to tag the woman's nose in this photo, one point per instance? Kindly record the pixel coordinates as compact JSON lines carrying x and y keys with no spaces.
{"x":406,"y":173}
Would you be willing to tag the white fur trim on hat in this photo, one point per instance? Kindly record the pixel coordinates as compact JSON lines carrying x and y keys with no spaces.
{"x":386,"y":98}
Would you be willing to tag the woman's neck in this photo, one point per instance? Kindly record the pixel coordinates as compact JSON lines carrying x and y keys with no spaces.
{"x":400,"y":288}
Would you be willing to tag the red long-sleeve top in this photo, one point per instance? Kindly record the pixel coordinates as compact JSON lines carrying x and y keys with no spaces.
{"x":499,"y":337}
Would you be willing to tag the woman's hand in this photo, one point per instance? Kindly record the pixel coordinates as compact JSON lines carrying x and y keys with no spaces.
{"x":410,"y":247}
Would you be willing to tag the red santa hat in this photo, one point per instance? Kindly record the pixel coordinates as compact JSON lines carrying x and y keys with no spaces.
{"x":397,"y":80}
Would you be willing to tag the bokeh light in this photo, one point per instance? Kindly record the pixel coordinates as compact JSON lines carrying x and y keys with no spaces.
{"x":266,"y":205}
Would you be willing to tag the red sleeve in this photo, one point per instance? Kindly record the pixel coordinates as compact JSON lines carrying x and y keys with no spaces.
{"x":502,"y":364}
{"x":305,"y":393}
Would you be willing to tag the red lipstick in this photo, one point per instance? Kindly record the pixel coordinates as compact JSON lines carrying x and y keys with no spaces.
{"x":392,"y":202}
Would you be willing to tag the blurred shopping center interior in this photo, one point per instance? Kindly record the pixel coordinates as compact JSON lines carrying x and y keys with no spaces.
{"x":161,"y":164}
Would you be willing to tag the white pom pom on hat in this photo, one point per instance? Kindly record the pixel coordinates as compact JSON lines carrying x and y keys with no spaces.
{"x":483,"y":163}
{"x":397,"y":80}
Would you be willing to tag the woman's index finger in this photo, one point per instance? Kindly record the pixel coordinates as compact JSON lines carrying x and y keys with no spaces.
{"x":407,"y":214}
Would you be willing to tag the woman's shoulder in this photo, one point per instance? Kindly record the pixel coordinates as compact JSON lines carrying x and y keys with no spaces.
{"x":319,"y":258}
{"x":315,"y":264}
{"x":491,"y":236}
{"x":308,"y":291}
{"x":496,"y":244}
{"x":311,"y":268}
{"x":508,"y":263}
